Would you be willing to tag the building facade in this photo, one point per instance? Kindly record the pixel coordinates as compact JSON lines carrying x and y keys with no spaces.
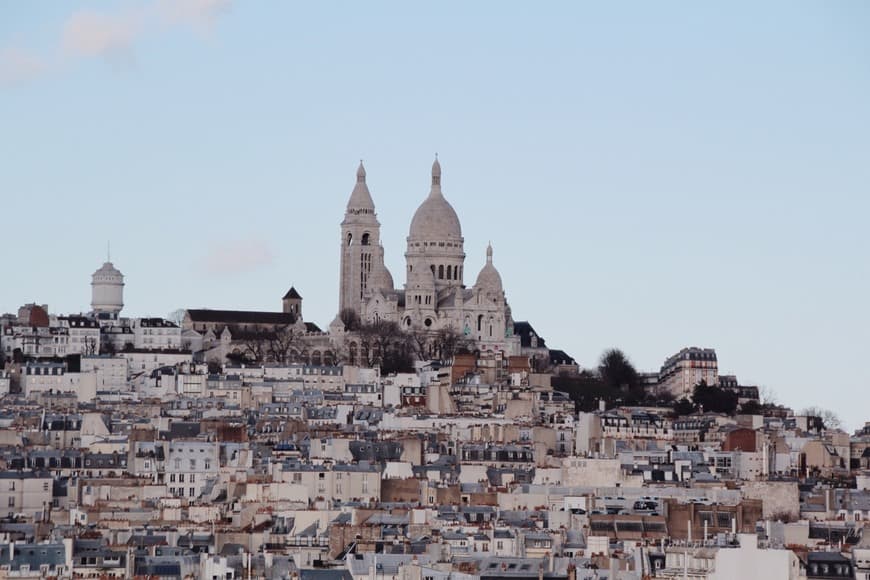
{"x":684,"y":370}
{"x":434,"y":296}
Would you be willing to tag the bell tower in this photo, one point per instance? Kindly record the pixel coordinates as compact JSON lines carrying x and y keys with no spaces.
{"x":360,"y":239}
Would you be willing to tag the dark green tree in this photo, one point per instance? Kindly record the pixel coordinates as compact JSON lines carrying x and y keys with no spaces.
{"x":712,"y":398}
{"x":616,"y":370}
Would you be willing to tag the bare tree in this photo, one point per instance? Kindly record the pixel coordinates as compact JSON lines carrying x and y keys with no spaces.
{"x":448,"y":343}
{"x":767,"y":395}
{"x":420,"y":340}
{"x":176,"y":316}
{"x":281,"y":344}
{"x":829,"y":418}
{"x":255,"y":347}
{"x":383,"y":343}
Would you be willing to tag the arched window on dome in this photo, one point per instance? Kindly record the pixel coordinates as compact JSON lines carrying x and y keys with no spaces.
{"x":349,"y":238}
{"x":479,"y":322}
{"x":433,"y":269}
{"x":449,"y":272}
{"x":365,"y":239}
{"x":441,"y":272}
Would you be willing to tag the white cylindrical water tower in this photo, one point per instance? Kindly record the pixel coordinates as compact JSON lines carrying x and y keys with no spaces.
{"x":107,"y":292}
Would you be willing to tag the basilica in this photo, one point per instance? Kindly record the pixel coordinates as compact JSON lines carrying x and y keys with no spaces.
{"x":434,"y":296}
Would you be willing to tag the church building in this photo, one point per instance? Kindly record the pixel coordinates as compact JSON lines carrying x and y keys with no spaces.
{"x":434,"y":296}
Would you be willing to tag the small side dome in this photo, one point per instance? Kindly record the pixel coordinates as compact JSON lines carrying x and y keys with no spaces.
{"x":489,"y":278}
{"x":381,"y":278}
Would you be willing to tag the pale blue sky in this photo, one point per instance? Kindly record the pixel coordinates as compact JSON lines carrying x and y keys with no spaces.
{"x":651,"y":175}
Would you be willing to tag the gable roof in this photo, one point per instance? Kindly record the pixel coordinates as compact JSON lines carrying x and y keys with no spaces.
{"x":240,"y":316}
{"x":292,"y":294}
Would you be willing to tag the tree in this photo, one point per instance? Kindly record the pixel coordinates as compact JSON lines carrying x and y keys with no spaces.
{"x":447,"y":343}
{"x":383,"y":343}
{"x":254,"y":347}
{"x":176,"y":316}
{"x":281,"y":343}
{"x":421,"y":341}
{"x":830,"y":420}
{"x":714,"y":399}
{"x":616,"y":370}
{"x":585,"y":389}
{"x":350,"y":318}
{"x":752,"y":407}
{"x":684,"y":407}
{"x":768,"y":396}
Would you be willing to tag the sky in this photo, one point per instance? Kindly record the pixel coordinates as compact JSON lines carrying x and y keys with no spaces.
{"x":651,"y":175}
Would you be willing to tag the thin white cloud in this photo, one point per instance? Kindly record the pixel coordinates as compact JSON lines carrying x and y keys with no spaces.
{"x":200,"y":14}
{"x":18,"y":66}
{"x":110,"y":35}
{"x":87,"y":33}
{"x":238,"y":257}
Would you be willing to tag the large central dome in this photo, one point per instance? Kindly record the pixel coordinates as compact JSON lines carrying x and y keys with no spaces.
{"x":435,"y":219}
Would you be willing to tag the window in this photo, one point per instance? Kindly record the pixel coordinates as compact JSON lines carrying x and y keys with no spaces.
{"x":191,"y":492}
{"x":11,"y":501}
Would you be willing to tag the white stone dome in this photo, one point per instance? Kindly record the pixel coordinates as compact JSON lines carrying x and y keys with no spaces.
{"x":489,"y":278}
{"x":435,"y":219}
{"x":381,"y":279}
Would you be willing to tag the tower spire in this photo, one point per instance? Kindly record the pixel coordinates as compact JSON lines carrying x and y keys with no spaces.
{"x":436,"y":175}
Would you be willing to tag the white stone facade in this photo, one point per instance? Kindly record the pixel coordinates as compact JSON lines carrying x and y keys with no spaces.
{"x":434,"y":296}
